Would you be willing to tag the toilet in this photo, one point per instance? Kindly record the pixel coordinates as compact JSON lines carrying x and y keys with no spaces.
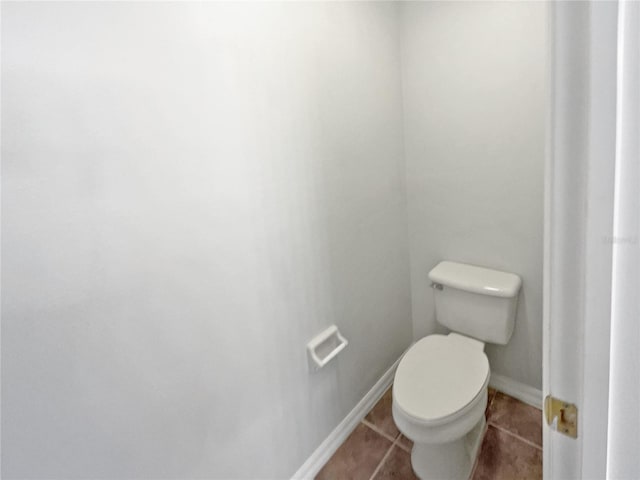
{"x":440,"y":385}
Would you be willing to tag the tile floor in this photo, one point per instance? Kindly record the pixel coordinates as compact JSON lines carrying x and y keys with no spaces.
{"x":511,"y":449}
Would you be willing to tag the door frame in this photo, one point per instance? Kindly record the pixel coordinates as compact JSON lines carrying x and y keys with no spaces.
{"x":578,"y":238}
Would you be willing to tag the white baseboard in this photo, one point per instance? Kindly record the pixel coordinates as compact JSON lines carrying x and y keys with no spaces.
{"x":327,"y":448}
{"x":524,"y":393}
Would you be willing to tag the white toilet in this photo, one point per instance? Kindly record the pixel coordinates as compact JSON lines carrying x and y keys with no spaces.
{"x":440,"y":386}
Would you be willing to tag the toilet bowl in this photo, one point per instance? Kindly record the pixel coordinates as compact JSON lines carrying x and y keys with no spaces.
{"x":439,"y":399}
{"x":440,"y":385}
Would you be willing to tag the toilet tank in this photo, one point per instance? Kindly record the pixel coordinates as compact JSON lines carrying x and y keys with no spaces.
{"x":476,"y":301}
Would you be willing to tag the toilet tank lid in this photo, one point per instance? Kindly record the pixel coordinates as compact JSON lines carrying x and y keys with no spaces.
{"x":474,"y":279}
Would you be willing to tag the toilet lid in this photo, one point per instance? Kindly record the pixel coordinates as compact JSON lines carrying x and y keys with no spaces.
{"x":439,"y":376}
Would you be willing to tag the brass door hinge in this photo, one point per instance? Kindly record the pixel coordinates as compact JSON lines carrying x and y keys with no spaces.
{"x":561,"y":414}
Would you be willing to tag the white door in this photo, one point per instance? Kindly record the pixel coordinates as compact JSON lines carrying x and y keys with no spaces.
{"x":590,"y":220}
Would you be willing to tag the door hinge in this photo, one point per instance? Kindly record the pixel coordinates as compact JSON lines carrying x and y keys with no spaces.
{"x":561,"y":416}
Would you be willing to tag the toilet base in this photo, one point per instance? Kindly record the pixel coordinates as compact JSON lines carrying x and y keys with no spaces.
{"x":448,"y":461}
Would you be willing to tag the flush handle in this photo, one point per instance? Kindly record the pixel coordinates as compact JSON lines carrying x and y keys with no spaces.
{"x":437,"y":286}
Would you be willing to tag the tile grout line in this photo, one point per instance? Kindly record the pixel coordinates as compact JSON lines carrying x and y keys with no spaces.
{"x":397,"y":441}
{"x":503,"y":429}
{"x":379,"y":431}
{"x":383,"y":460}
{"x":515,"y":435}
{"x":401,"y":447}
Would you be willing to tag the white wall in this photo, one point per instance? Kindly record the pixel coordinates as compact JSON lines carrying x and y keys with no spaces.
{"x":191,"y":192}
{"x":474,"y":76}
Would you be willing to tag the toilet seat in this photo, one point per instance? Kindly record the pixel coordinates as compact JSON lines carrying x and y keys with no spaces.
{"x":439,"y":376}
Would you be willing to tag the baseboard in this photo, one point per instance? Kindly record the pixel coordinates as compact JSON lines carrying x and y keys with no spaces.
{"x":524,"y":393}
{"x":327,"y":448}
